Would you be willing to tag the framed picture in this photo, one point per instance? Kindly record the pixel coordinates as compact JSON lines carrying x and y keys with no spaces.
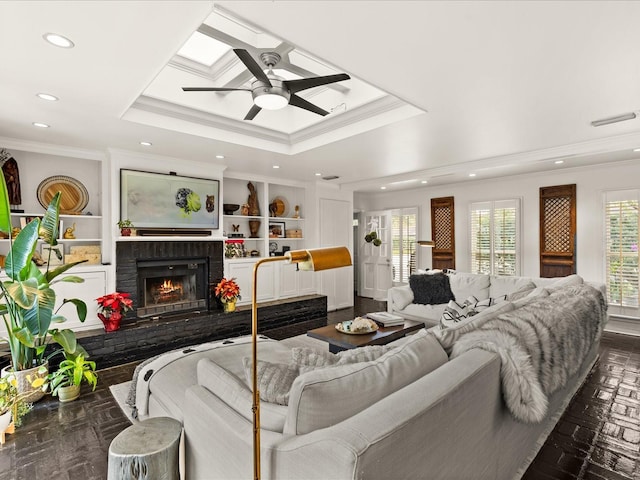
{"x":158,"y":200}
{"x":276,"y":229}
{"x":57,"y":254}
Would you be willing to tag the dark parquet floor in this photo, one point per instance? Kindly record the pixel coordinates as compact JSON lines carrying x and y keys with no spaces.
{"x":598,"y":437}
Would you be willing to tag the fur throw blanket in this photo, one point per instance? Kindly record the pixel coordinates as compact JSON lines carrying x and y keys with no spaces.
{"x":541,"y":345}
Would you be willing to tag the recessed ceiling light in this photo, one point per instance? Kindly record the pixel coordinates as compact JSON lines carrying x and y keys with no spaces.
{"x":318,"y":174}
{"x":558,"y":162}
{"x":146,"y":144}
{"x":383,"y":188}
{"x":58,"y":40}
{"x":220,"y":156}
{"x":47,"y":96}
{"x":276,"y":166}
{"x":40,"y":125}
{"x":423,"y":181}
{"x":472,"y":174}
{"x":636,"y":149}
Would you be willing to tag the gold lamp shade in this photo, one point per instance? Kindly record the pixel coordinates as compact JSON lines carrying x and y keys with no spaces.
{"x":315,"y":259}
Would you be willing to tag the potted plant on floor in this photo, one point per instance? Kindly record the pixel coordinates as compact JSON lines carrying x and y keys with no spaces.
{"x":228,"y":292}
{"x":66,"y":380}
{"x":28,"y":299}
{"x":111,"y":309}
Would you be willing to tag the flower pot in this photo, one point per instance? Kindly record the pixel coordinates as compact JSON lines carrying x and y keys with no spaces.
{"x":25,"y":379}
{"x":230,"y":306}
{"x":125,"y":232}
{"x":111,"y":321}
{"x":5,"y":425}
{"x":68,"y":394}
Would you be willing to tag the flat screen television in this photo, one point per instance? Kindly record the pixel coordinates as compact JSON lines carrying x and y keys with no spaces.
{"x":168,"y":201}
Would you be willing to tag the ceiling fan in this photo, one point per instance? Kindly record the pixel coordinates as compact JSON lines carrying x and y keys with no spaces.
{"x":270,"y":91}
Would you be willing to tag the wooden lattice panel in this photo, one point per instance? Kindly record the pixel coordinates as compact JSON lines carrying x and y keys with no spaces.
{"x":557,"y":231}
{"x":443,"y":227}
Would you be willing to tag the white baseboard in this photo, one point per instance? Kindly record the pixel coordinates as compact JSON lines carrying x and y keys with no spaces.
{"x":626,"y":326}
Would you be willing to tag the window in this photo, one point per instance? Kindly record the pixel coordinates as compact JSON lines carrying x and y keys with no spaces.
{"x":403,"y":239}
{"x":621,"y":232}
{"x":495,"y":237}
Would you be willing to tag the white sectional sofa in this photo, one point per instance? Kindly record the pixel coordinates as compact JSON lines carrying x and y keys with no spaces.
{"x":400,"y":299}
{"x":437,"y":404}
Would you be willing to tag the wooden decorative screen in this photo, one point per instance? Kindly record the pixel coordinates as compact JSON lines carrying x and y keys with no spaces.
{"x":443,"y":231}
{"x":557,"y":231}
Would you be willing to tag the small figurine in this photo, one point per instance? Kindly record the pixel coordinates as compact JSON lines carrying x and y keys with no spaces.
{"x":297,"y":212}
{"x":244,"y":210}
{"x":236,"y":228}
{"x":15,"y":231}
{"x":68,"y":233}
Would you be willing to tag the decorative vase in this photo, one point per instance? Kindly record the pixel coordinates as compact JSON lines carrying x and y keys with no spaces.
{"x":69,"y":393}
{"x":5,"y":425}
{"x":254,"y":228}
{"x":25,"y":379}
{"x":111,"y":321}
{"x":230,"y":306}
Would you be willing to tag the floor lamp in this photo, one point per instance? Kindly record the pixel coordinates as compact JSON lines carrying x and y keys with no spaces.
{"x":313,"y":260}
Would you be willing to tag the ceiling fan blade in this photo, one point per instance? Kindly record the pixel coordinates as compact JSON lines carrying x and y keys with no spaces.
{"x":304,"y":83}
{"x":252,"y":65}
{"x":214,"y":89}
{"x":300,"y":102}
{"x":253,"y":112}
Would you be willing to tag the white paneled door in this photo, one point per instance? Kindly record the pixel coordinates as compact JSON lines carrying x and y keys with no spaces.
{"x":376,"y":274}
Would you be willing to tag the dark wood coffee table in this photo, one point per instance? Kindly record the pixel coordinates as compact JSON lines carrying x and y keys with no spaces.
{"x":339,"y":341}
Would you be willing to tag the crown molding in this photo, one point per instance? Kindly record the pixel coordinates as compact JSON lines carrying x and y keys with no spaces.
{"x":51,"y":149}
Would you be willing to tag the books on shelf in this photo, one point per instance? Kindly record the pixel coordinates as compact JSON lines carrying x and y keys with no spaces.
{"x":386,"y":319}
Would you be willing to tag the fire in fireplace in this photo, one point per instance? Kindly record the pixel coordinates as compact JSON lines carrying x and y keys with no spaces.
{"x":171,"y":286}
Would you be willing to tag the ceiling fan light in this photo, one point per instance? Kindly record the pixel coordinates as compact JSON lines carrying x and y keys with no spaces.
{"x":271,"y":101}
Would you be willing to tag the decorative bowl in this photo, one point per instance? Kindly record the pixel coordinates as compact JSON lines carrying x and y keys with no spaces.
{"x":229,"y":208}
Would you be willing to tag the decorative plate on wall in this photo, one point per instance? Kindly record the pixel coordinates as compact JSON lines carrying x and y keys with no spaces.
{"x":75,"y":196}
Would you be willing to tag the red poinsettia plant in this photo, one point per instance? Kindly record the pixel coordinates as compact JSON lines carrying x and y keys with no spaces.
{"x":111,"y":307}
{"x":227,"y":290}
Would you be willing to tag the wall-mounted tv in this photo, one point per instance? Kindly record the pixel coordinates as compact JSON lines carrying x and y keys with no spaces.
{"x":158,"y":200}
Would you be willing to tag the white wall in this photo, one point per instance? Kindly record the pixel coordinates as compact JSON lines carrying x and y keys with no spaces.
{"x":591,"y":183}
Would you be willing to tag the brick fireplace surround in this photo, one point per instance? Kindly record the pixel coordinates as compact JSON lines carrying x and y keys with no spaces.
{"x":141,"y":338}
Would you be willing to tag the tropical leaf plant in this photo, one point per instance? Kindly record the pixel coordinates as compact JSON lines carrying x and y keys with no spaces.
{"x":28,"y":300}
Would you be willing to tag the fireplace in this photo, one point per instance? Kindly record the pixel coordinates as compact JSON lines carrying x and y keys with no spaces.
{"x":167,"y":286}
{"x":167,"y":277}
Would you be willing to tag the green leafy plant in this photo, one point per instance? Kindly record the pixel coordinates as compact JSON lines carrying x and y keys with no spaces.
{"x":125,"y":223}
{"x":72,"y":371}
{"x":28,"y":299}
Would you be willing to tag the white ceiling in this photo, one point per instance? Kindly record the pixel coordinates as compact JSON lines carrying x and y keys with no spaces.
{"x":508,"y":87}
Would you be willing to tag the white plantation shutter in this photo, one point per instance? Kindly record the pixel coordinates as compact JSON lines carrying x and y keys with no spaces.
{"x":403,"y":240}
{"x":621,"y":243}
{"x":495,"y":242}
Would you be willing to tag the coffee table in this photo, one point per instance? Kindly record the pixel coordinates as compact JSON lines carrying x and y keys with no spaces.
{"x":339,"y":341}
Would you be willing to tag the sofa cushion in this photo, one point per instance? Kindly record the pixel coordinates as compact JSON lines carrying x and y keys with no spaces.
{"x":447,"y":336}
{"x":521,"y":292}
{"x":430,"y":314}
{"x":568,"y":281}
{"x":533,"y":295}
{"x":504,"y":285}
{"x":274,"y":379}
{"x":401,"y":296}
{"x":430,"y":289}
{"x":235,"y":393}
{"x":465,"y":285}
{"x":327,"y":396}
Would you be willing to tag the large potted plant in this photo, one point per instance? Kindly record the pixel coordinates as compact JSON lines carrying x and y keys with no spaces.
{"x":28,"y":299}
{"x":66,"y":380}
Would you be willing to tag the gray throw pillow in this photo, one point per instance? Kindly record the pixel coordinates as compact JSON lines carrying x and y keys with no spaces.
{"x":274,"y":380}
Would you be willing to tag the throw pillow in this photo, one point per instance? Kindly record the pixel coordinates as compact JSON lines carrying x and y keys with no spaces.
{"x":401,"y":297}
{"x":431,"y":289}
{"x":274,"y":380}
{"x":455,"y":313}
{"x":308,"y":357}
